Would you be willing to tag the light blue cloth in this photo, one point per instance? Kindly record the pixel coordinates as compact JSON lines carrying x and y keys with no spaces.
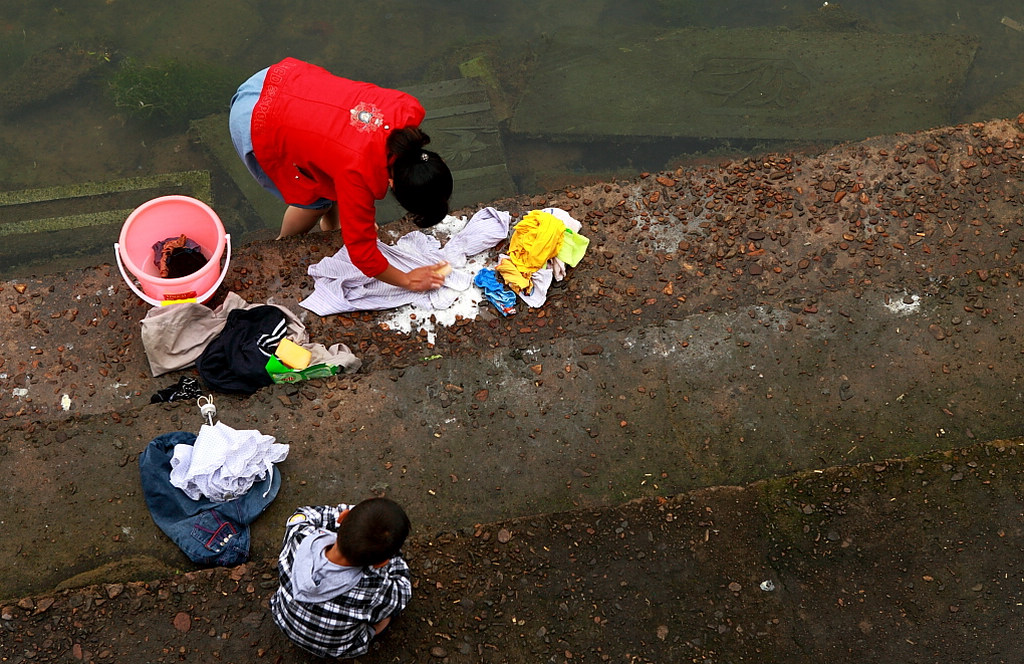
{"x":240,"y":125}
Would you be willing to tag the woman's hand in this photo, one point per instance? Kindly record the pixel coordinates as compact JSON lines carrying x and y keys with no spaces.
{"x":423,"y":278}
{"x":427,"y":278}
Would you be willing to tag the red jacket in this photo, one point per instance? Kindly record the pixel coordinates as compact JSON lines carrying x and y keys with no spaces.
{"x":317,"y":135}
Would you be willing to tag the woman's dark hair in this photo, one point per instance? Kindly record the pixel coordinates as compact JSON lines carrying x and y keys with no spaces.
{"x":373,"y":531}
{"x":420,"y":179}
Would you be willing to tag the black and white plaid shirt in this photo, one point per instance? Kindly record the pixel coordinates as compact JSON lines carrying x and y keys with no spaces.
{"x":343,"y":626}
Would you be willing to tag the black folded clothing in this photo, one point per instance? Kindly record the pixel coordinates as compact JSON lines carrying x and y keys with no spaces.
{"x":236,"y":360}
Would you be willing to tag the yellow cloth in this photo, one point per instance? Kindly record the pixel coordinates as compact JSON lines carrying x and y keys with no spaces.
{"x":536,"y":239}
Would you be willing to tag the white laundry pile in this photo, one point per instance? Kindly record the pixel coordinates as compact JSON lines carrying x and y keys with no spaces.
{"x":224,"y":463}
{"x":340,"y":287}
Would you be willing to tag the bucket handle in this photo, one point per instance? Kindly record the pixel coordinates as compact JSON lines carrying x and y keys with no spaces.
{"x":159,"y":303}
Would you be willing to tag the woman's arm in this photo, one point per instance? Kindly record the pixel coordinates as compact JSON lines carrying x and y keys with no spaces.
{"x":359,"y":233}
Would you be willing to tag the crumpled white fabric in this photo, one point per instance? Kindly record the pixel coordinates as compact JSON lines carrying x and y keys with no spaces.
{"x":541,"y":280}
{"x":340,"y":287}
{"x":224,"y":463}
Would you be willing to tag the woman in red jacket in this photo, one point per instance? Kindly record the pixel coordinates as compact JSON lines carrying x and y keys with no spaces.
{"x":329,"y":147}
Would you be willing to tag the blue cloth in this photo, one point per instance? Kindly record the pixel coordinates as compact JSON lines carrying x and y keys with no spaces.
{"x":240,"y":127}
{"x":503,"y":299}
{"x":208,"y":533}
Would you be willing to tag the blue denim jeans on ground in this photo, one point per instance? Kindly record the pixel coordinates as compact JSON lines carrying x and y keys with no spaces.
{"x":208,"y":533}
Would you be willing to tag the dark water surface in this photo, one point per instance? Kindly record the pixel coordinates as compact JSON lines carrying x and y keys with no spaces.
{"x":105,"y":91}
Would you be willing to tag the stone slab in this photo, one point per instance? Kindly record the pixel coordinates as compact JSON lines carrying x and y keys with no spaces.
{"x":71,"y":223}
{"x":745,"y":84}
{"x":464,"y":130}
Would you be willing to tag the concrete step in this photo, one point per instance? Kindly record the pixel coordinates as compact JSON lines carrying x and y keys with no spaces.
{"x":804,"y":568}
{"x":77,"y":225}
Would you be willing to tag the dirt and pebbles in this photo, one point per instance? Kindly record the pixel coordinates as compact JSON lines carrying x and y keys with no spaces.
{"x":750,"y":321}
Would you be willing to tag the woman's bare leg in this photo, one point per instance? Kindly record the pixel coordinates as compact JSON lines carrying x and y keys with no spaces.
{"x":330,"y":220}
{"x":298,"y":221}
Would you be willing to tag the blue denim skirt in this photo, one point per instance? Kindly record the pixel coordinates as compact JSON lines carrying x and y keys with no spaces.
{"x":240,"y":125}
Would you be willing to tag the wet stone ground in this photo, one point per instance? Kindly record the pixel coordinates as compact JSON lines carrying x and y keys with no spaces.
{"x":748,"y":323}
{"x":907,"y":560}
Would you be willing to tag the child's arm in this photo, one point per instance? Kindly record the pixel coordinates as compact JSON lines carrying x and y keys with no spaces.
{"x":379,"y":627}
{"x":394,"y":594}
{"x":380,"y":596}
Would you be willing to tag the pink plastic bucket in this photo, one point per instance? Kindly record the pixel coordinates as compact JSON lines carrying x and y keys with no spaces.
{"x":168,"y":217}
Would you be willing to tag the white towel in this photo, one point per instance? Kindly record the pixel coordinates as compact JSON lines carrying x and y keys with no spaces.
{"x":224,"y":463}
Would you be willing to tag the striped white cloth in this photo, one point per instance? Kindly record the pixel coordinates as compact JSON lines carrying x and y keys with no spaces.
{"x":340,"y":287}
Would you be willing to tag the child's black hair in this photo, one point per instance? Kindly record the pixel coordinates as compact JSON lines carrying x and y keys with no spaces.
{"x":373,"y":531}
{"x":421,"y":181}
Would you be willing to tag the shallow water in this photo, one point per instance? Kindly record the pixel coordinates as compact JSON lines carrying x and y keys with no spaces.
{"x":69,"y":119}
